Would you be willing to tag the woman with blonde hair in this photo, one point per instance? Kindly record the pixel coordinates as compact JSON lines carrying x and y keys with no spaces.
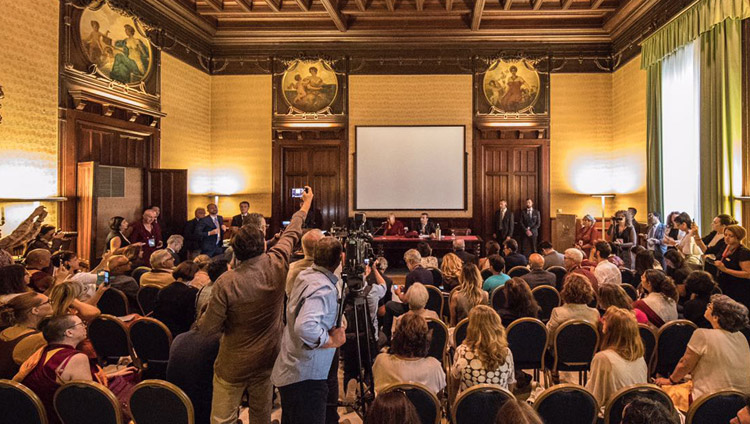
{"x":484,"y":356}
{"x":619,"y":362}
{"x":451,"y":270}
{"x":201,"y":277}
{"x":468,"y":295}
{"x":64,"y":299}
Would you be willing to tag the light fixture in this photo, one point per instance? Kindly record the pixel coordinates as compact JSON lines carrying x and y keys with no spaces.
{"x":603,"y":196}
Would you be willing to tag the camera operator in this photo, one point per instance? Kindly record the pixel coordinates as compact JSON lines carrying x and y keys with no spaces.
{"x":48,"y":239}
{"x":310,"y":338}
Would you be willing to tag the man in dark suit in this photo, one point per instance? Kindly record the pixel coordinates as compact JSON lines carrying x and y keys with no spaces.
{"x":459,"y":248}
{"x":211,"y":229}
{"x":655,"y":235}
{"x":237,"y":219}
{"x":512,"y":257}
{"x":366,"y":225}
{"x":192,"y":237}
{"x":530,"y":220}
{"x":538,"y":276}
{"x":425,"y":226}
{"x":503,"y":223}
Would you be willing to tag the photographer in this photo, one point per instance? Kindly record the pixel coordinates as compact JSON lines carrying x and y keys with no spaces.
{"x":48,"y":239}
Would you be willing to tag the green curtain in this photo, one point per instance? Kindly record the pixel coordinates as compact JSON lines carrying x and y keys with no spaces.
{"x":720,"y":118}
{"x":654,"y":141}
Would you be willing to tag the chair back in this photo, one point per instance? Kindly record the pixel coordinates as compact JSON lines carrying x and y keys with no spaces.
{"x":147,"y":298}
{"x":613,"y":410}
{"x":19,"y":405}
{"x":560,"y":274}
{"x":424,"y":401}
{"x":518,"y":271}
{"x":479,"y":404}
{"x":574,"y":345}
{"x":160,"y":402}
{"x":110,"y":339}
{"x":439,"y":340}
{"x":434,"y":299}
{"x":151,"y":342}
{"x":718,"y":407}
{"x":548,"y":299}
{"x":628,"y":276}
{"x":648,"y":337}
{"x":498,"y":299}
{"x":113,"y":302}
{"x":567,"y":404}
{"x":671,"y":341}
{"x":630,"y":290}
{"x":459,"y":333}
{"x":138,"y":273}
{"x":437,"y":277}
{"x":527,"y":339}
{"x":85,"y":402}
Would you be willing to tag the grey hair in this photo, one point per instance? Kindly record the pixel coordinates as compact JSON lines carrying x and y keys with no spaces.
{"x":382,"y":263}
{"x":588,"y":217}
{"x":254,"y":219}
{"x":175,"y":238}
{"x":732,"y":315}
{"x":574,"y":254}
{"x":459,"y":244}
{"x":413,"y":256}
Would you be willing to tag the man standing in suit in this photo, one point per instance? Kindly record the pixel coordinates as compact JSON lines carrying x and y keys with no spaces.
{"x":655,"y":236}
{"x":192,"y":237}
{"x":211,"y":229}
{"x":530,"y":221}
{"x":425,"y":227}
{"x":237,"y":219}
{"x":503,"y":223}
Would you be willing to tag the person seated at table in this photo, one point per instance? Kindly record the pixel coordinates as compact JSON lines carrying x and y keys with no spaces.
{"x":365,"y":224}
{"x":425,"y":226}
{"x":393,"y":227}
{"x":459,"y":249}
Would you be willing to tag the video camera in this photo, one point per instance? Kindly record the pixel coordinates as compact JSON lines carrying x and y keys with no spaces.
{"x":359,"y":254}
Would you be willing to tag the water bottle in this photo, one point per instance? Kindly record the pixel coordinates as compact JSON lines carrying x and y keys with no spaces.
{"x":438,"y":233}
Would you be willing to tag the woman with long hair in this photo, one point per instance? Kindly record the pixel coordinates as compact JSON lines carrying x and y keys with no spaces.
{"x":392,"y":407}
{"x":713,"y":244}
{"x":623,"y":236}
{"x":468,"y":295}
{"x":660,"y":303}
{"x":614,"y":295}
{"x":14,"y":281}
{"x":734,"y":266}
{"x":64,"y":298}
{"x":116,"y":237}
{"x":516,"y":411}
{"x":519,"y":300}
{"x":451,"y":270}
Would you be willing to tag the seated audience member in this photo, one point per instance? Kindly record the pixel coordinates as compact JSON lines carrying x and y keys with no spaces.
{"x":174,"y":245}
{"x":573,"y":259}
{"x":67,"y":267}
{"x":587,"y":235}
{"x":133,"y":252}
{"x":512,"y":257}
{"x":619,"y":362}
{"x":660,"y":304}
{"x":148,"y":233}
{"x":468,"y":295}
{"x":717,"y":358}
{"x":215,"y":269}
{"x":516,"y":411}
{"x":734,"y":266}
{"x":699,"y":285}
{"x":551,"y":256}
{"x":538,"y":276}
{"x":191,"y":234}
{"x":743,"y":415}
{"x":451,"y":270}
{"x":392,"y":407}
{"x":416,"y":298}
{"x":119,"y":267}
{"x":520,"y":303}
{"x":677,"y":269}
{"x":623,"y":236}
{"x":201,"y":277}
{"x":47,"y":239}
{"x":22,"y":235}
{"x":191,"y":368}
{"x":425,"y":227}
{"x":13,"y":282}
{"x":309,"y":240}
{"x":491,"y":248}
{"x":19,"y":341}
{"x":162,"y":265}
{"x":65,"y":301}
{"x":576,"y":295}
{"x":484,"y":356}
{"x":60,"y":362}
{"x":686,"y":244}
{"x":393,"y":227}
{"x":644,"y":260}
{"x":428,"y":261}
{"x":606,"y":272}
{"x":416,"y":274}
{"x":498,"y":278}
{"x":459,"y":249}
{"x":642,"y":410}
{"x":614,"y":295}
{"x":38,"y":264}
{"x":407,"y":360}
{"x":175,"y":304}
{"x":116,"y":237}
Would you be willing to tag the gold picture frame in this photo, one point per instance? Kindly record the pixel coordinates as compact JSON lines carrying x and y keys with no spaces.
{"x":511,"y":86}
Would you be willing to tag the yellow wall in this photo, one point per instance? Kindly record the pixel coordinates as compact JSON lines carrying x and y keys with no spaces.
{"x":28,"y":134}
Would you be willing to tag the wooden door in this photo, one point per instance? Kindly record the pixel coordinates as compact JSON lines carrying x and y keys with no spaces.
{"x":167,"y":188}
{"x":86,"y":214}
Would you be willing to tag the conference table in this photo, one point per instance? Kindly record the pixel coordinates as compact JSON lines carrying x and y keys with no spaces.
{"x":393,"y":247}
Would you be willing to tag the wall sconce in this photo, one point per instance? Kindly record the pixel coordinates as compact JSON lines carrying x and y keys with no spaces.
{"x":603,"y":197}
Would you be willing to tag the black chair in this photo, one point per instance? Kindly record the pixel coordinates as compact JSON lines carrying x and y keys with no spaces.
{"x":434,"y":299}
{"x":560,"y":274}
{"x":631,"y":291}
{"x":439,"y":340}
{"x":151,"y":340}
{"x":160,"y":402}
{"x":628,"y":277}
{"x":671,"y":341}
{"x":573,"y":347}
{"x":138,"y":273}
{"x":518,"y":271}
{"x":479,"y":404}
{"x":425,"y":402}
{"x":567,"y":404}
{"x":19,"y":405}
{"x":86,"y":402}
{"x":113,"y":302}
{"x":527,"y":339}
{"x":548,"y":299}
{"x":110,"y":339}
{"x":613,"y":410}
{"x":437,"y":277}
{"x":498,"y":299}
{"x":718,"y":407}
{"x":648,"y":337}
{"x":147,"y":298}
{"x":459,"y":333}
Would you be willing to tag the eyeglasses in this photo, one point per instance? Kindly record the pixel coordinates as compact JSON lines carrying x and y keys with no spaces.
{"x":76,"y":325}
{"x":48,"y":302}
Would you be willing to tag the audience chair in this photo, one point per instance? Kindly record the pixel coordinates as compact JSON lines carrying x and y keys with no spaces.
{"x":435,"y":299}
{"x":138,"y":273}
{"x":648,"y":337}
{"x":527,"y":339}
{"x":151,"y":340}
{"x":113,"y":302}
{"x":628,"y":277}
{"x":459,"y":333}
{"x":567,"y":404}
{"x":425,"y":402}
{"x":498,"y":299}
{"x":548,"y":299}
{"x":671,"y":341}
{"x":631,"y":291}
{"x":160,"y":402}
{"x":147,"y":298}
{"x":613,"y":410}
{"x":718,"y":407}
{"x":479,"y":404}
{"x":560,"y":274}
{"x":437,"y":277}
{"x":19,"y":405}
{"x":518,"y":271}
{"x":110,"y":338}
{"x":439,"y":340}
{"x":573,"y":348}
{"x":87,"y":402}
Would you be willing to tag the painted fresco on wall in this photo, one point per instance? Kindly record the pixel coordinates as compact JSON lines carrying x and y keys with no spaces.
{"x":511,"y":86}
{"x":309,"y":86}
{"x":115,"y":43}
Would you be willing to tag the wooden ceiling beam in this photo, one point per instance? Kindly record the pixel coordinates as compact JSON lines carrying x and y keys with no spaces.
{"x":218,"y":5}
{"x":448,"y":5}
{"x":476,"y":16}
{"x":566,"y":4}
{"x":333,"y":11}
{"x":596,"y":3}
{"x":304,"y":5}
{"x":420,"y":5}
{"x":391,"y":4}
{"x":246,"y":5}
{"x":537,"y":4}
{"x":506,"y":4}
{"x":362,"y":5}
{"x":275,"y":5}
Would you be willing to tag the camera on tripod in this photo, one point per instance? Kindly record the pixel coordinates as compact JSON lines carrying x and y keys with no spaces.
{"x":359,"y":255}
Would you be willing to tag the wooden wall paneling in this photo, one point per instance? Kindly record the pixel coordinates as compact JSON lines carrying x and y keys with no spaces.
{"x":86,"y":212}
{"x":168,"y":189}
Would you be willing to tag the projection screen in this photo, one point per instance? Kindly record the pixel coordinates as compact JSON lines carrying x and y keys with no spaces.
{"x":410,"y":168}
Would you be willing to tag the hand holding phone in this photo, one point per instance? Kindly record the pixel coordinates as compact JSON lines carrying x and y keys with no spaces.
{"x":102,"y":278}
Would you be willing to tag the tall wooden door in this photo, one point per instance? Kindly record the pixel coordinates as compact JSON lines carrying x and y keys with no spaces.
{"x":167,"y":188}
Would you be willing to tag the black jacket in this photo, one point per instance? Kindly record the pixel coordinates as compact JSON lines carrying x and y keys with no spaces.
{"x":503,"y":226}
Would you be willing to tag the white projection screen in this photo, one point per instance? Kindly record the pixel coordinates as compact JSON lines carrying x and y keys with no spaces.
{"x":410,"y":168}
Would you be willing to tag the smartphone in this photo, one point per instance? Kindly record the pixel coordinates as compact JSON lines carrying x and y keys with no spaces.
{"x":151,"y":242}
{"x":297,"y":192}
{"x":285,"y":223}
{"x":102,"y":278}
{"x":367,"y":261}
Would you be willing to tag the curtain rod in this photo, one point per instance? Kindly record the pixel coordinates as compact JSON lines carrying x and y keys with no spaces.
{"x":688,"y":7}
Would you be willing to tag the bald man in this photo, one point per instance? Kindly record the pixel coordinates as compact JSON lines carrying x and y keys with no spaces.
{"x":538,"y":276}
{"x":309,"y":240}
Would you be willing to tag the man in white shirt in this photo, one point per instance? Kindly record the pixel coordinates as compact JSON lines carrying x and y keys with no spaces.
{"x":606,"y":272}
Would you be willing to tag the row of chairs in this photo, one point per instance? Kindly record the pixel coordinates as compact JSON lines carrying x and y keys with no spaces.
{"x":150,"y":402}
{"x":564,"y":404}
{"x":114,"y":302}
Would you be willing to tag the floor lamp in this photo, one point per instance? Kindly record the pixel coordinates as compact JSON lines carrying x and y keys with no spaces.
{"x":603,"y":197}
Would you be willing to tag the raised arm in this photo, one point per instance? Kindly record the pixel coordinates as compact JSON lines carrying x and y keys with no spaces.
{"x":293,"y":232}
